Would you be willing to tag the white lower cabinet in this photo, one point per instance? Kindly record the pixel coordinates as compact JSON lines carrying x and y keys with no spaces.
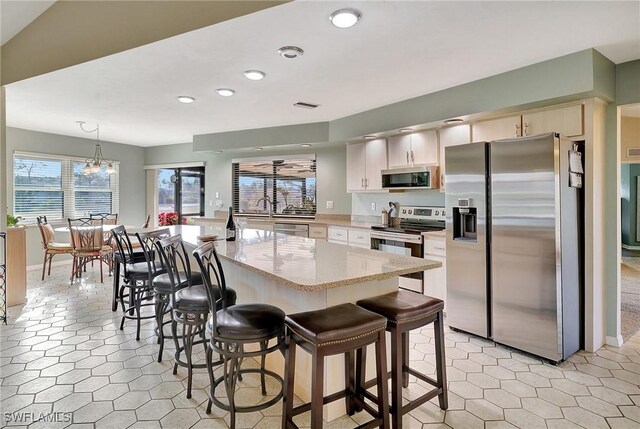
{"x":318,"y":232}
{"x":358,"y":237}
{"x":337,"y":234}
{"x":435,"y":281}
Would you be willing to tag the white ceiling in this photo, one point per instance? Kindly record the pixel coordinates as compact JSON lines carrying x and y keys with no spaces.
{"x":17,"y":14}
{"x":397,"y":51}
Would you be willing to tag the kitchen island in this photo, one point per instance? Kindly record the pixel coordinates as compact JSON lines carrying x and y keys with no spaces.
{"x":302,"y":274}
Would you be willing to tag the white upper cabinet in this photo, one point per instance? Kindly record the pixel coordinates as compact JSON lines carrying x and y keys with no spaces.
{"x":356,"y":166}
{"x":451,"y":136}
{"x":568,"y":121}
{"x":496,"y":129}
{"x":424,"y":147}
{"x":399,"y":148}
{"x":412,"y":149}
{"x":376,"y":161}
{"x":365,"y":162}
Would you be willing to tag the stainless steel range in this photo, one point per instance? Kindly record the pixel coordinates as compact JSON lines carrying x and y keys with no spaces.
{"x":407,"y":238}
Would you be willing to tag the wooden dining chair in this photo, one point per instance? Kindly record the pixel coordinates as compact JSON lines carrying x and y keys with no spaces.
{"x":107,"y":218}
{"x":88,"y":245}
{"x":81,"y":221}
{"x":49,"y":245}
{"x":146,"y":222}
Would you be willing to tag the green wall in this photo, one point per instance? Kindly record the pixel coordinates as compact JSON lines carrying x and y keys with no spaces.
{"x":132,"y":178}
{"x":571,"y":77}
{"x":331,"y":171}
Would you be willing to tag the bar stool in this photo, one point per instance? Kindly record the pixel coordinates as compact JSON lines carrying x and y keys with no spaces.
{"x":135,"y":278}
{"x":343,"y":328}
{"x":233,"y":327}
{"x":406,"y":311}
{"x":188,"y":303}
{"x":158,"y":278}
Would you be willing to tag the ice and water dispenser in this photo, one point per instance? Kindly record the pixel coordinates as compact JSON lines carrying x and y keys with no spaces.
{"x":465,"y":221}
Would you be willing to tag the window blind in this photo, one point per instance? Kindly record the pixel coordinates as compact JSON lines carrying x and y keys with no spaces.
{"x":55,"y":186}
{"x":289,"y":184}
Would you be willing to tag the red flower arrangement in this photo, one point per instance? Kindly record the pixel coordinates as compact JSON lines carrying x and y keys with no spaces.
{"x":170,"y":218}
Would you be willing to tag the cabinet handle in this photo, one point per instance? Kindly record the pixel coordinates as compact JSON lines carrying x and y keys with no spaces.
{"x":518,"y":130}
{"x":366,"y":182}
{"x":362,"y":182}
{"x":412,"y":160}
{"x":526,"y":126}
{"x":439,"y":248}
{"x":407,"y":157}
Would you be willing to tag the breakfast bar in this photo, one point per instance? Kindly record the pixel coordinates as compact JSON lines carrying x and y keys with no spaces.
{"x":301,"y":274}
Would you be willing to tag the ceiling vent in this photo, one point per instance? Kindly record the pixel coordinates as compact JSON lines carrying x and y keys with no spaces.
{"x":633,"y":152}
{"x":306,"y":105}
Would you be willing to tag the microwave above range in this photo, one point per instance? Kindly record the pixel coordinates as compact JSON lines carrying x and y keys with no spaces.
{"x":423,"y":176}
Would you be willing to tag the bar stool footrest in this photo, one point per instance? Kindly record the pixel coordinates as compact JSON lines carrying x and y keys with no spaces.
{"x":252,"y":408}
{"x":184,"y":364}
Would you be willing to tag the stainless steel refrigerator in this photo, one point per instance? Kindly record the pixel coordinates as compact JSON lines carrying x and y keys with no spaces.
{"x":513,"y":242}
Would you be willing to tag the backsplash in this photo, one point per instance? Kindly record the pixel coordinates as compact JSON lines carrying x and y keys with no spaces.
{"x":361,"y":202}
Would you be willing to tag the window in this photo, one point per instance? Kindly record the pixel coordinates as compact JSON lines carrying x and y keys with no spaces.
{"x":56,"y":187}
{"x":289,"y":184}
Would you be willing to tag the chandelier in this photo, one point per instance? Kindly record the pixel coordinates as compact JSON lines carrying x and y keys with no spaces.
{"x":94,"y":164}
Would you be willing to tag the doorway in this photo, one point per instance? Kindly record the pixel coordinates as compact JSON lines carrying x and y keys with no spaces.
{"x":629,"y":138}
{"x":180,"y":195}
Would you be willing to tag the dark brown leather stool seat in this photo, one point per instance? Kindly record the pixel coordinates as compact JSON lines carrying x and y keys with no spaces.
{"x":248,"y":321}
{"x":162,"y":282}
{"x":403,"y":306}
{"x":336,"y":323}
{"x":335,"y":330}
{"x":406,"y":311}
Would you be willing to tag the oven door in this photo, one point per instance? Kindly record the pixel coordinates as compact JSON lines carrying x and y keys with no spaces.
{"x":402,"y":244}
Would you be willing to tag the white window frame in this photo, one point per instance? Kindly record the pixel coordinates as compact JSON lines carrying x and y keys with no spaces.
{"x":68,"y":188}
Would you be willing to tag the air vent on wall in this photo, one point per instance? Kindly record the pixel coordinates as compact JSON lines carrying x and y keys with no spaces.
{"x":306,"y":105}
{"x":633,"y":152}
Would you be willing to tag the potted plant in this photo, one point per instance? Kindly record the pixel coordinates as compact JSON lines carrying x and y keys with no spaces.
{"x":13,"y":220}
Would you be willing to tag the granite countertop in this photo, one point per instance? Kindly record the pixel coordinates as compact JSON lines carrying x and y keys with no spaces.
{"x":304,"y":263}
{"x":320,"y":222}
{"x":442,"y":233}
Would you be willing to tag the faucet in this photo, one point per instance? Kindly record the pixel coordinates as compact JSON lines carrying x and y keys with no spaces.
{"x":270,"y":205}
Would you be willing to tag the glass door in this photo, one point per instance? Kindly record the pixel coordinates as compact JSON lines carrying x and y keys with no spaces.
{"x":180,"y":195}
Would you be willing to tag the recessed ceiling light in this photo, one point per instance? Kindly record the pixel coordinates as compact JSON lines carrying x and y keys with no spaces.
{"x":369,"y":137}
{"x":290,"y":52}
{"x":305,"y":145}
{"x":186,"y":99}
{"x":345,"y":18}
{"x":257,"y":148}
{"x":405,"y":130}
{"x":453,"y":121}
{"x":218,"y":151}
{"x":225,"y":92}
{"x":254,"y":74}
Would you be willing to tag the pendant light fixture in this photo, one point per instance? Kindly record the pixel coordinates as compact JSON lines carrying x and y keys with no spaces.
{"x":93,"y":165}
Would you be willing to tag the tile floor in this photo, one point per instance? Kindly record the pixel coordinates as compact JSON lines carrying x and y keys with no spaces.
{"x":64,"y":353}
